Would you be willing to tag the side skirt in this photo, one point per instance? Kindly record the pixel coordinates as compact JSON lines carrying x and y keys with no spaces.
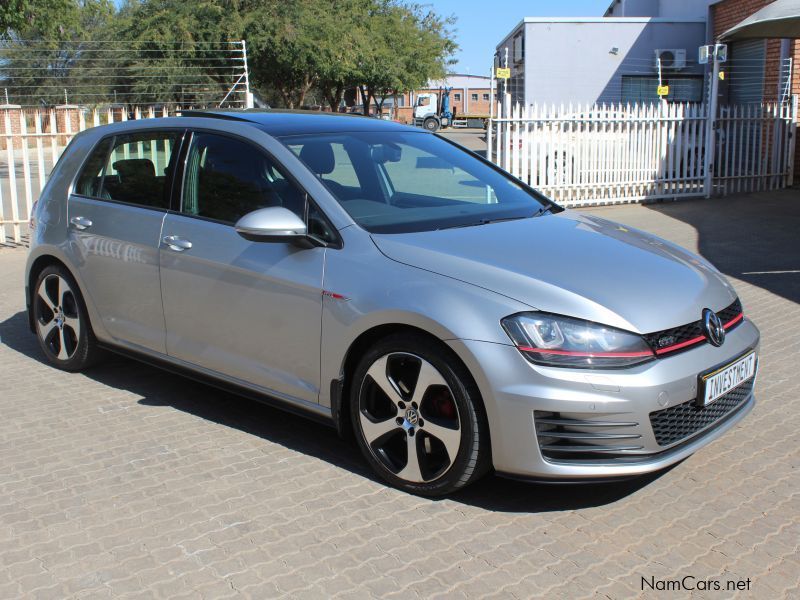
{"x":295,"y":406}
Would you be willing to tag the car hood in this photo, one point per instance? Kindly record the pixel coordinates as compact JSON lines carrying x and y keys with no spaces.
{"x":572,"y":264}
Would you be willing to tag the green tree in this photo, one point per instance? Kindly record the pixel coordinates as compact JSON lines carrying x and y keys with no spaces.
{"x":386,"y":46}
{"x":172,"y":50}
{"x":409,"y":46}
{"x":41,"y":58}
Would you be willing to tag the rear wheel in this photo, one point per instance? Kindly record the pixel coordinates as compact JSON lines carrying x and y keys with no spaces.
{"x":62,"y":325}
{"x":431,"y":124}
{"x":418,"y":417}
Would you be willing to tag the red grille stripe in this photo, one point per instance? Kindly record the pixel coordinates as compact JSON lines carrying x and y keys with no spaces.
{"x":734,"y":321}
{"x":698,"y":339}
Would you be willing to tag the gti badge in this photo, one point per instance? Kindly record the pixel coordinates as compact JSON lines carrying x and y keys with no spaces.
{"x":712,"y":324}
{"x":666,"y":340}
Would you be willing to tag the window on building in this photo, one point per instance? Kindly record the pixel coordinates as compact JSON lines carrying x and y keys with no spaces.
{"x":457,"y":97}
{"x":637,"y":88}
{"x":486,"y":97}
{"x":474,"y":97}
{"x":745,"y":81}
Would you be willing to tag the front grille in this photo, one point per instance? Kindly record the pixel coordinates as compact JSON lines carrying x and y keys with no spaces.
{"x":572,"y":437}
{"x":676,"y":423}
{"x":679,"y":335}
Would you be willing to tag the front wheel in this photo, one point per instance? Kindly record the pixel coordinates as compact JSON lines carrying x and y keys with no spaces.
{"x":418,"y":417}
{"x":431,"y":124}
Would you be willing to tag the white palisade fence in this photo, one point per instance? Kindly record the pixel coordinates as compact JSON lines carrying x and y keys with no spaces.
{"x":31,"y":142}
{"x":605,"y":154}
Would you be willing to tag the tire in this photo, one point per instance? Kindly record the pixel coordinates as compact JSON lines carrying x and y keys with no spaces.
{"x":61,"y":321}
{"x":443,"y":424}
{"x":431,"y":124}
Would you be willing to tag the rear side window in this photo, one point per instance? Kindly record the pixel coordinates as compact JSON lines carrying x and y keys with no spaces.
{"x":92,"y":175}
{"x":133,"y":168}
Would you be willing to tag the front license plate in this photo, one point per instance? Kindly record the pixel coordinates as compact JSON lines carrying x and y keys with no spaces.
{"x":721,"y":381}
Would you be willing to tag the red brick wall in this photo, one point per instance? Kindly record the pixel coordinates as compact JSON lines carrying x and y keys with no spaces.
{"x":728,"y":13}
{"x":13,"y":113}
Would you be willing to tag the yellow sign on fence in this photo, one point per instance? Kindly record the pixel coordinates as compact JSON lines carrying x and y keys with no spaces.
{"x":503,"y":73}
{"x":663,"y":90}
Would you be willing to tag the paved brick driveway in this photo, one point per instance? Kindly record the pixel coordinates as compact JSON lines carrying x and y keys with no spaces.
{"x":129,"y":482}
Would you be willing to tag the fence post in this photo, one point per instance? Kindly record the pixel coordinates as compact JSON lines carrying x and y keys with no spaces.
{"x":489,"y":123}
{"x":12,"y":178}
{"x":792,"y":142}
{"x":713,"y":101}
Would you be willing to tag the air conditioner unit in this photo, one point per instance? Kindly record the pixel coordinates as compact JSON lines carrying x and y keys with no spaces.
{"x":671,"y":59}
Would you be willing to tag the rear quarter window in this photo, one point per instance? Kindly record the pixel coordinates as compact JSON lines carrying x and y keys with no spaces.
{"x":133,"y":168}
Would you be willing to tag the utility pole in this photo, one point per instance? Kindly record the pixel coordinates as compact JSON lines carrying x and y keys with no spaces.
{"x":720,"y":54}
{"x":506,"y":96}
{"x":248,"y":95}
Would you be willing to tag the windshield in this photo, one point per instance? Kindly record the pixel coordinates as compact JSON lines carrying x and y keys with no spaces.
{"x":399,"y":182}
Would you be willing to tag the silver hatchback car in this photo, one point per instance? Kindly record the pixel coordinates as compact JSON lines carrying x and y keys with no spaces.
{"x":384,"y":280}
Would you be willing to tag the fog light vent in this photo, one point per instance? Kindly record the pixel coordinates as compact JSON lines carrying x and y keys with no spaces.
{"x":569,"y":437}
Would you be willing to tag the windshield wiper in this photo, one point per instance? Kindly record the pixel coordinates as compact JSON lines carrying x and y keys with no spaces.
{"x":538,"y":213}
{"x":484,"y":222}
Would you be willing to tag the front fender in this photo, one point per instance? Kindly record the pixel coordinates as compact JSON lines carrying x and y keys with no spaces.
{"x":357,"y":301}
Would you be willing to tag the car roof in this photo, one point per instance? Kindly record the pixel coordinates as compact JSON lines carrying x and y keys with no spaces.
{"x":287,"y":122}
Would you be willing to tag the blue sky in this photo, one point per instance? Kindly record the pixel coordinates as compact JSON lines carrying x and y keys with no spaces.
{"x":482,"y":24}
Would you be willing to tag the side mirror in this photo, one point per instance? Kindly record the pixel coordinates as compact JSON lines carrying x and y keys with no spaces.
{"x":273,"y":224}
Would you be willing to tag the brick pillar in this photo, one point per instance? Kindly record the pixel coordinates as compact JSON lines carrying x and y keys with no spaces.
{"x":14,"y":113}
{"x":67,"y":114}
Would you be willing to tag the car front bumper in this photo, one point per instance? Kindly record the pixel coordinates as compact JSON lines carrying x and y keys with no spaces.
{"x":578,"y":424}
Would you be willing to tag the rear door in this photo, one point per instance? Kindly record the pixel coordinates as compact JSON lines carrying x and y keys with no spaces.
{"x":248,"y":310}
{"x":115,"y":215}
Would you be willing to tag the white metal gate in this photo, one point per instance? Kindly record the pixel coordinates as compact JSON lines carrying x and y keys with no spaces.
{"x":628,"y":153}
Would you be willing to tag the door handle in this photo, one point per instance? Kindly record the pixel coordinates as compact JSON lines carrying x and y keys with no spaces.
{"x":81,"y":222}
{"x":176,"y":243}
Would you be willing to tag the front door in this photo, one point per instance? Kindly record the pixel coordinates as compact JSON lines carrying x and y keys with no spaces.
{"x":115,"y":215}
{"x":248,"y":310}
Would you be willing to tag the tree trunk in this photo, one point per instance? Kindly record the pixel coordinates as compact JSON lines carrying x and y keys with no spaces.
{"x":287,"y":97}
{"x":338,"y":97}
{"x":365,"y":99}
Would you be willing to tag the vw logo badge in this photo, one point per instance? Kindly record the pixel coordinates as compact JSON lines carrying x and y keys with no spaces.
{"x":411,"y":416}
{"x":712,"y":324}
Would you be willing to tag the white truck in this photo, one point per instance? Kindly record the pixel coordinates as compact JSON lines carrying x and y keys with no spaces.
{"x":432,"y":111}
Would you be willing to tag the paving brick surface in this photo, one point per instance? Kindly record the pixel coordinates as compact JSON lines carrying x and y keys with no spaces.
{"x":128,"y":482}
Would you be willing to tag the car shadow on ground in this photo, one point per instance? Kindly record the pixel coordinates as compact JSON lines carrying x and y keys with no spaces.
{"x":158,"y":388}
{"x":753,"y":237}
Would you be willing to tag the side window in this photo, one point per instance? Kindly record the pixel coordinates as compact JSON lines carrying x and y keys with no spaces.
{"x":91,"y":177}
{"x":425,"y":175}
{"x":138,"y":168}
{"x":227,"y":178}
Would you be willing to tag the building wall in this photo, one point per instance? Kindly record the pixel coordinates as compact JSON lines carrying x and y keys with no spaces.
{"x":573,"y":60}
{"x":673,"y":9}
{"x":726,"y":14}
{"x":471,"y":94}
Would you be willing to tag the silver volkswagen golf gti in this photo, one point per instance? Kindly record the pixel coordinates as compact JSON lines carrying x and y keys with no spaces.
{"x":384,"y":280}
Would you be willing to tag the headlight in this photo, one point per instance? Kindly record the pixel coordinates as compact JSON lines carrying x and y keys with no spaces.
{"x":558,"y":341}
